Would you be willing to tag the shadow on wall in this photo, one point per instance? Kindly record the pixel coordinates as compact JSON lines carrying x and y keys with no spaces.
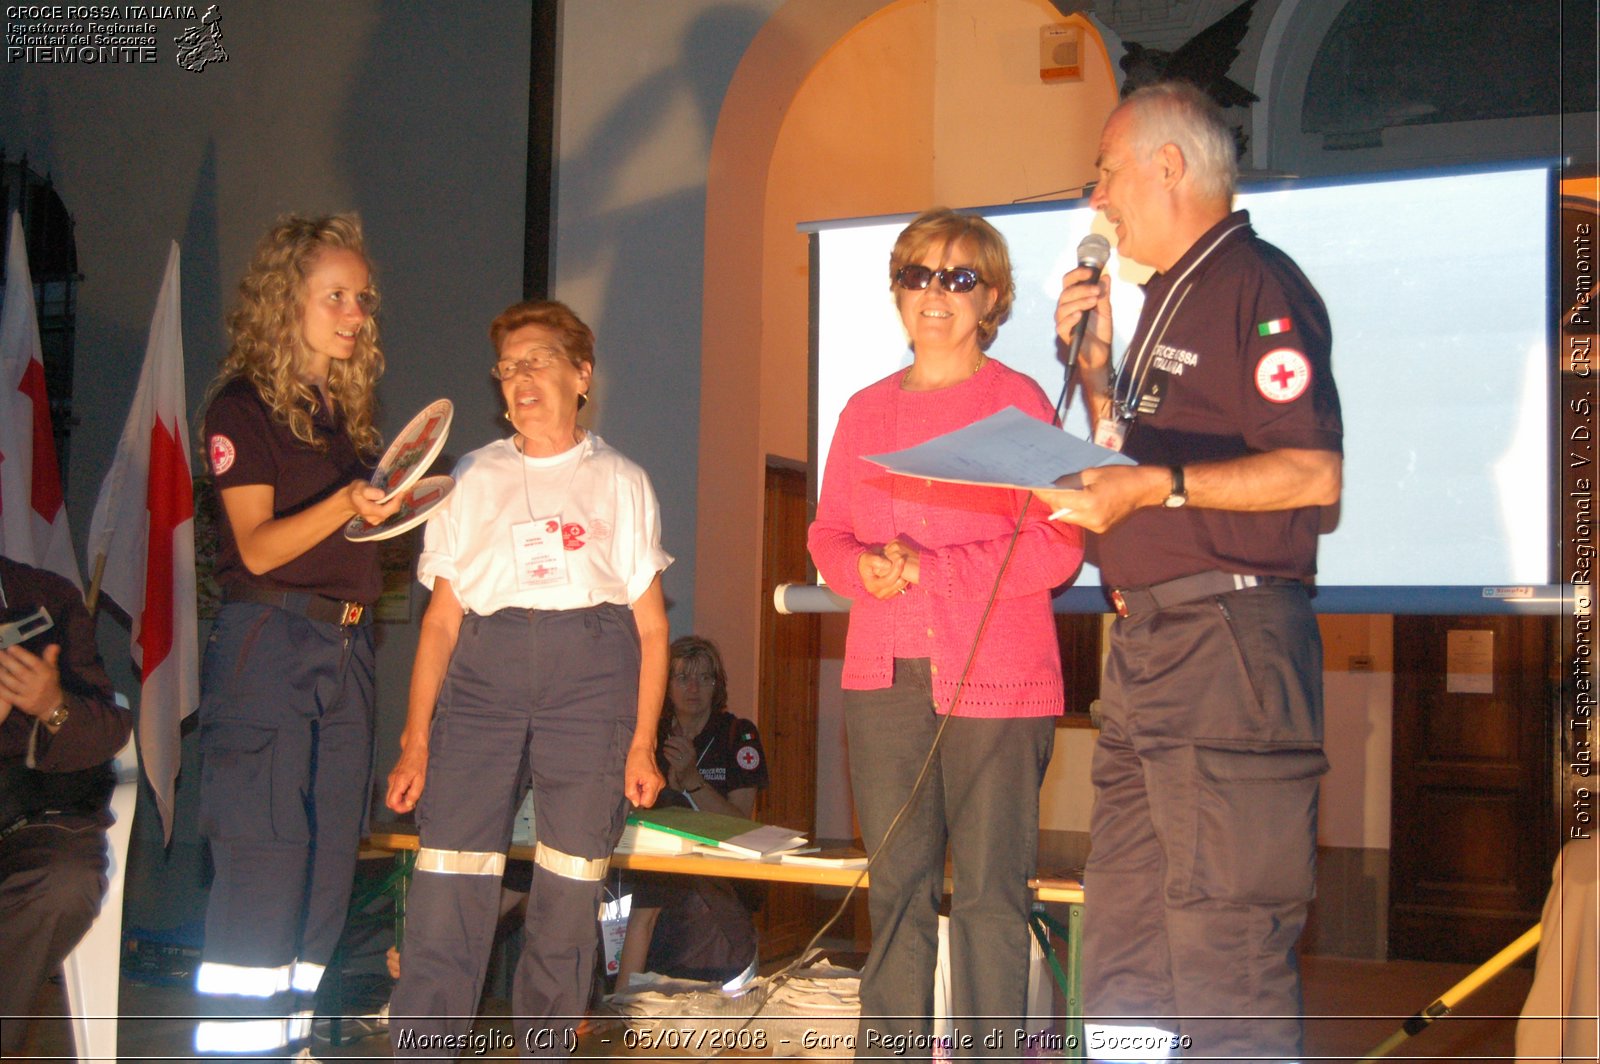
{"x":205,"y":293}
{"x":437,"y":176}
{"x":644,"y":257}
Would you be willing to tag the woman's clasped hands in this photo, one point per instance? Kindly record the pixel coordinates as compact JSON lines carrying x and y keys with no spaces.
{"x":889,"y":570}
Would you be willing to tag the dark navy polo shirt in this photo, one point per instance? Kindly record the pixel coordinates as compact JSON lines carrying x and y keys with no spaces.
{"x":1239,"y":364}
{"x":245,"y":444}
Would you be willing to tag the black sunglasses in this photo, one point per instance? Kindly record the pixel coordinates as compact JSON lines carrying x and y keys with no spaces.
{"x":915,"y":278}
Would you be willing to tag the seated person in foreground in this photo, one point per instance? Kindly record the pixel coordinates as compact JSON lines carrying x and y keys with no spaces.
{"x":697,"y":927}
{"x":59,"y":730}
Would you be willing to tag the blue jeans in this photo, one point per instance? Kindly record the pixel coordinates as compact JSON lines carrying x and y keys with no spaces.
{"x":981,"y":800}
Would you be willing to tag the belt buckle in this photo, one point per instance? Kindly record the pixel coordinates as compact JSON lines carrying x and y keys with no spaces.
{"x":1119,"y":602}
{"x":351,"y":614}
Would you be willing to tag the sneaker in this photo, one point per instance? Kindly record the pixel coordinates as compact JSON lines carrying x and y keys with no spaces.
{"x":351,"y":1028}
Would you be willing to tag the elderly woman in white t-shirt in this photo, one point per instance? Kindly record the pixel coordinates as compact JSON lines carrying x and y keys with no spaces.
{"x":543,"y":651}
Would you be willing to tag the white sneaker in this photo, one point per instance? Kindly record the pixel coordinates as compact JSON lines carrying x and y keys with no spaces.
{"x":352,"y":1028}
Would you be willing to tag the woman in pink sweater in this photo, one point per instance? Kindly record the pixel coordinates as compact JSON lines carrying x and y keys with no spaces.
{"x":920,"y":561}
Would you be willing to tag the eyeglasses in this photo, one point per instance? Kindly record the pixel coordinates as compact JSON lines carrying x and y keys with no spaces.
{"x":703,"y":679}
{"x":508,"y":368}
{"x":914,"y":278}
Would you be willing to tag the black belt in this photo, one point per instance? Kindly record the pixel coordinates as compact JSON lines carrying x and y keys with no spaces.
{"x":1131,"y":600}
{"x":313,"y":607}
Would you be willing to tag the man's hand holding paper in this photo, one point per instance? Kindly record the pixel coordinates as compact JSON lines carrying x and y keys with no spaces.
{"x":1107,"y":495}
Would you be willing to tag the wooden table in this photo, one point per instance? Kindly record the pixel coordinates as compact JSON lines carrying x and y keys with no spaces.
{"x":1064,"y":889}
{"x":1047,"y":887}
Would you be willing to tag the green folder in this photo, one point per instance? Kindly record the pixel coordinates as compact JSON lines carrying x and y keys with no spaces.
{"x":733,"y":835}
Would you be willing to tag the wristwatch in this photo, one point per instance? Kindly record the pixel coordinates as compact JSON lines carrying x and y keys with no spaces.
{"x":1178,"y":495}
{"x":57,"y":717}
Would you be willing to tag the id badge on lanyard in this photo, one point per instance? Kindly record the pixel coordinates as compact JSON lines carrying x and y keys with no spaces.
{"x":541,"y":557}
{"x":1111,"y":433}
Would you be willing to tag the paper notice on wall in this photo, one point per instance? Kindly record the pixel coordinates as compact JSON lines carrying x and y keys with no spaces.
{"x":1469,"y":661}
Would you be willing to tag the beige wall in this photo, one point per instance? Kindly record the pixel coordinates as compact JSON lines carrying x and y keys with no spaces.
{"x":1358,"y":687}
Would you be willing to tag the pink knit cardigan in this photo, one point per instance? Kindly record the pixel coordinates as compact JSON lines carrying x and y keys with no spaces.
{"x":962,"y":532}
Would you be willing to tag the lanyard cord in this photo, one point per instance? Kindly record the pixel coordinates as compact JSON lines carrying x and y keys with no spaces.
{"x":1129,"y":381}
{"x":527,"y":493}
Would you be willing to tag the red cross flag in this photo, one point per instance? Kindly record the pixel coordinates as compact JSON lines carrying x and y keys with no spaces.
{"x":142,"y":539}
{"x":33,"y":513}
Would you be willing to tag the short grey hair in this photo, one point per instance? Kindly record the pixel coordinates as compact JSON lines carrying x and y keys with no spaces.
{"x":1175,"y":112}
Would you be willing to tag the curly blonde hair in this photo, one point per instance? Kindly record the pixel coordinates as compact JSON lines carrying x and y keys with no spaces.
{"x":266,"y":346}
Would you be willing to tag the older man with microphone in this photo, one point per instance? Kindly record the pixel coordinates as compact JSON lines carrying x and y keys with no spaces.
{"x":1206,"y":772}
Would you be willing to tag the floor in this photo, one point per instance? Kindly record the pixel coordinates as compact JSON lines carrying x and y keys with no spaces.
{"x":1351,"y":1006}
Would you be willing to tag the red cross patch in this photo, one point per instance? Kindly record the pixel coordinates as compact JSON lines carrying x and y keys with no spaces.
{"x":748,"y":757}
{"x":1283,"y":375}
{"x":222,"y":454}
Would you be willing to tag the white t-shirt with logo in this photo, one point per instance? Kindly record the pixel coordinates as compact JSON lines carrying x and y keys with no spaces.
{"x":576,"y":529}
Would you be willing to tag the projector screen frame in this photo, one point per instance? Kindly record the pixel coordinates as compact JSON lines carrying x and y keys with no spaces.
{"x":1549,"y":597}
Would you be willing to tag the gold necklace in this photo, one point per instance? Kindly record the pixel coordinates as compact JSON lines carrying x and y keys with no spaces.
{"x":905,"y":378}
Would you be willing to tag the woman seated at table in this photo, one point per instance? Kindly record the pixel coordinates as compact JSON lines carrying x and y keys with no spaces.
{"x":545,"y":639}
{"x":698,"y":927}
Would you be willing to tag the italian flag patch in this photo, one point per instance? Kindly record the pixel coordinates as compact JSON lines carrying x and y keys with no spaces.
{"x":1274,"y":327}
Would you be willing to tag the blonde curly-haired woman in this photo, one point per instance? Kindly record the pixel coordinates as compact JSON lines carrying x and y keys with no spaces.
{"x":286,"y":712}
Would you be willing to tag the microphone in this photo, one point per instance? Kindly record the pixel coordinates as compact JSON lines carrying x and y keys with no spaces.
{"x":1093,"y":251}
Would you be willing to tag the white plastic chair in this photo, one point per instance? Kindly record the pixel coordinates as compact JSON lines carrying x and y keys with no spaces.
{"x":94,"y":967}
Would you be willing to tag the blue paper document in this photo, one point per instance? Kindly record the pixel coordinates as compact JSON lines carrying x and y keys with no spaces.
{"x":1007,"y":450}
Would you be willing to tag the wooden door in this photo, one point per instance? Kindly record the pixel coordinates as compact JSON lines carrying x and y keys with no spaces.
{"x":790,"y":646}
{"x":1473,"y":826}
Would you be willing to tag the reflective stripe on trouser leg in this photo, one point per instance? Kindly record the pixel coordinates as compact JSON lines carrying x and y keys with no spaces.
{"x":252,"y":1036}
{"x":460,"y":862}
{"x":567,"y":866}
{"x":238,"y":980}
{"x":305,"y":977}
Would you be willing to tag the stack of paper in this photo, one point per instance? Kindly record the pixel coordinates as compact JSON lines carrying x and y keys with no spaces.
{"x":839,"y":857}
{"x":637,"y":838}
{"x":732,"y":836}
